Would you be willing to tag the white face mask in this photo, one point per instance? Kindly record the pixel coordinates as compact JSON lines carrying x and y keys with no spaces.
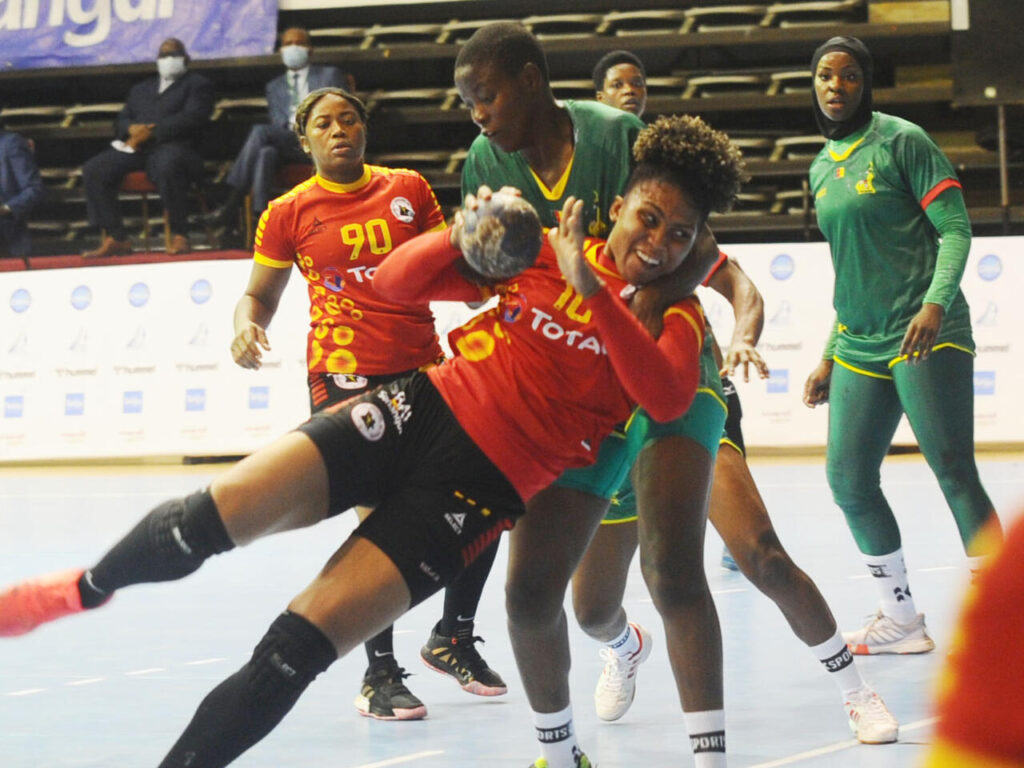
{"x":295,"y":56}
{"x":171,"y":67}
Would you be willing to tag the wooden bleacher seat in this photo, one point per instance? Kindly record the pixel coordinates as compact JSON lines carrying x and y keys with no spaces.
{"x":247,"y":107}
{"x":705,"y":86}
{"x":59,"y":178}
{"x":790,"y":81}
{"x":424,"y":160}
{"x":79,"y":113}
{"x":793,"y":147}
{"x":20,"y":118}
{"x":724,"y":18}
{"x":814,"y":13}
{"x":395,"y":34}
{"x":754,"y":201}
{"x":419,"y":97}
{"x":563,"y":25}
{"x":752,"y":147}
{"x":650,"y":22}
{"x":456,"y":31}
{"x":338,"y":37}
{"x":455,"y":161}
{"x":666,"y":86}
{"x":793,"y":201}
{"x":573,"y":89}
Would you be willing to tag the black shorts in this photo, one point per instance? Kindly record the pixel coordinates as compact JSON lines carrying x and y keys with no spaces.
{"x":733,"y":431}
{"x":327,"y":389}
{"x":439,"y":501}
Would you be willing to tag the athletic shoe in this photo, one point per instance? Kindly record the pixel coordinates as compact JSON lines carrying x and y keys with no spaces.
{"x":25,"y":606}
{"x":885,"y":635}
{"x":582,"y":761}
{"x":384,"y":695}
{"x":728,"y":561}
{"x":617,"y":685}
{"x":459,"y":658}
{"x":870,"y":720}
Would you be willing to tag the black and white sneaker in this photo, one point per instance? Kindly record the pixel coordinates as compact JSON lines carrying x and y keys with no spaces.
{"x":458,"y":658}
{"x":384,"y":695}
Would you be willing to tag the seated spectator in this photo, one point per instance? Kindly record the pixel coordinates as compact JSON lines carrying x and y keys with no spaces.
{"x":21,"y":189}
{"x":270,"y":145}
{"x":157,"y":131}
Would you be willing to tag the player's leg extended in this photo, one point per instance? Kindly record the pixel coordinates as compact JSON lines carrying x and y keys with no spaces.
{"x":741,"y":519}
{"x":938,"y":396}
{"x":359,"y":592}
{"x":282,"y":486}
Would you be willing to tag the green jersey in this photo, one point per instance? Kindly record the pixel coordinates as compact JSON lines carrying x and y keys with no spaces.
{"x":598,"y":171}
{"x":871,"y":190}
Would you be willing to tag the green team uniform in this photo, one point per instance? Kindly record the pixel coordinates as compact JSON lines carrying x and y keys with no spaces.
{"x":598,"y":172}
{"x":704,"y":422}
{"x":891,"y":208}
{"x":869,"y":191}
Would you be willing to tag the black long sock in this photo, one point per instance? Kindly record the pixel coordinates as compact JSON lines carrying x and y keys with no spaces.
{"x":248,"y":705}
{"x":381,"y":647}
{"x":463,"y":596}
{"x":169,"y":543}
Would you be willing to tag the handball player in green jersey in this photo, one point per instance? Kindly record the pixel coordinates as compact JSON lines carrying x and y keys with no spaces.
{"x":892,"y":209}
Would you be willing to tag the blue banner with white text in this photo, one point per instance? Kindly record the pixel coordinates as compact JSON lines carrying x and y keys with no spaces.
{"x":69,"y":33}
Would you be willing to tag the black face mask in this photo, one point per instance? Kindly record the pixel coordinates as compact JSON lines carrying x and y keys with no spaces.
{"x":832,"y":129}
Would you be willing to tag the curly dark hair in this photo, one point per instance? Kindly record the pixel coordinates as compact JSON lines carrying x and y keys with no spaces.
{"x":688,"y":152}
{"x":307,"y":104}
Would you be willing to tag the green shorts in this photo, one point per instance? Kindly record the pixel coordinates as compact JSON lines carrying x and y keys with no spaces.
{"x":614,"y":460}
{"x":704,"y":422}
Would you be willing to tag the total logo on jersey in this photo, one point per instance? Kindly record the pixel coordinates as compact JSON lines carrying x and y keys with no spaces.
{"x":546,"y":324}
{"x":402,"y":210}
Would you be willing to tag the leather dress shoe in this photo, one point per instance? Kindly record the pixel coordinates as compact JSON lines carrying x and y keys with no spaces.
{"x":109,"y":247}
{"x":179,"y":246}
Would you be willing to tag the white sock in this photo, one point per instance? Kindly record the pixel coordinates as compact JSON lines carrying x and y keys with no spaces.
{"x":890,"y":577}
{"x":838,"y":662}
{"x":707,"y":737}
{"x":627,"y":643}
{"x":557,"y":738}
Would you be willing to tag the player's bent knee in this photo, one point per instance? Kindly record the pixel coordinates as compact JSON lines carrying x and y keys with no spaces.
{"x":184,"y":533}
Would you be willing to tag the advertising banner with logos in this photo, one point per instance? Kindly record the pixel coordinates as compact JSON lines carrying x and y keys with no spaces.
{"x":69,"y":33}
{"x":134,"y":360}
{"x":796,"y":282}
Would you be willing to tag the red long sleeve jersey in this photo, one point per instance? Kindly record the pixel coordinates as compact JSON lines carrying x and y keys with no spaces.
{"x":534,"y":380}
{"x":337,"y":235}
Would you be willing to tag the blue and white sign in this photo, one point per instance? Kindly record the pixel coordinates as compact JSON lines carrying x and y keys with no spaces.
{"x":68,"y":33}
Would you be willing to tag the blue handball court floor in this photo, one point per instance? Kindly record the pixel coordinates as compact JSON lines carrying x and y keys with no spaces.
{"x":115,"y":687}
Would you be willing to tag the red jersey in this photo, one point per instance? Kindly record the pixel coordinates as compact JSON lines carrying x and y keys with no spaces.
{"x":981,"y":708}
{"x":538,"y":381}
{"x":338,"y":234}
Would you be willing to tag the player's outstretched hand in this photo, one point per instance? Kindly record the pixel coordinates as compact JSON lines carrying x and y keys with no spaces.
{"x":567,"y":240}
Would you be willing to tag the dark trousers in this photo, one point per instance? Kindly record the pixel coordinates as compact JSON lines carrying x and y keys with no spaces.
{"x":265,"y":149}
{"x":171,"y":167}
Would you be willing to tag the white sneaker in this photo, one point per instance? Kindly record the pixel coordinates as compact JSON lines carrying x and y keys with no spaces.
{"x":617,"y":686}
{"x":870,"y":720}
{"x":885,"y":635}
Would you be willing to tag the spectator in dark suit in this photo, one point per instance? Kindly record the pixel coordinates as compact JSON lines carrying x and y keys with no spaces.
{"x":21,"y":189}
{"x":271,"y":144}
{"x":157,"y":131}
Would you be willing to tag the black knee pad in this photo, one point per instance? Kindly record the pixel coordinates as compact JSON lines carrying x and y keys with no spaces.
{"x":288,"y":658}
{"x":184,"y":533}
